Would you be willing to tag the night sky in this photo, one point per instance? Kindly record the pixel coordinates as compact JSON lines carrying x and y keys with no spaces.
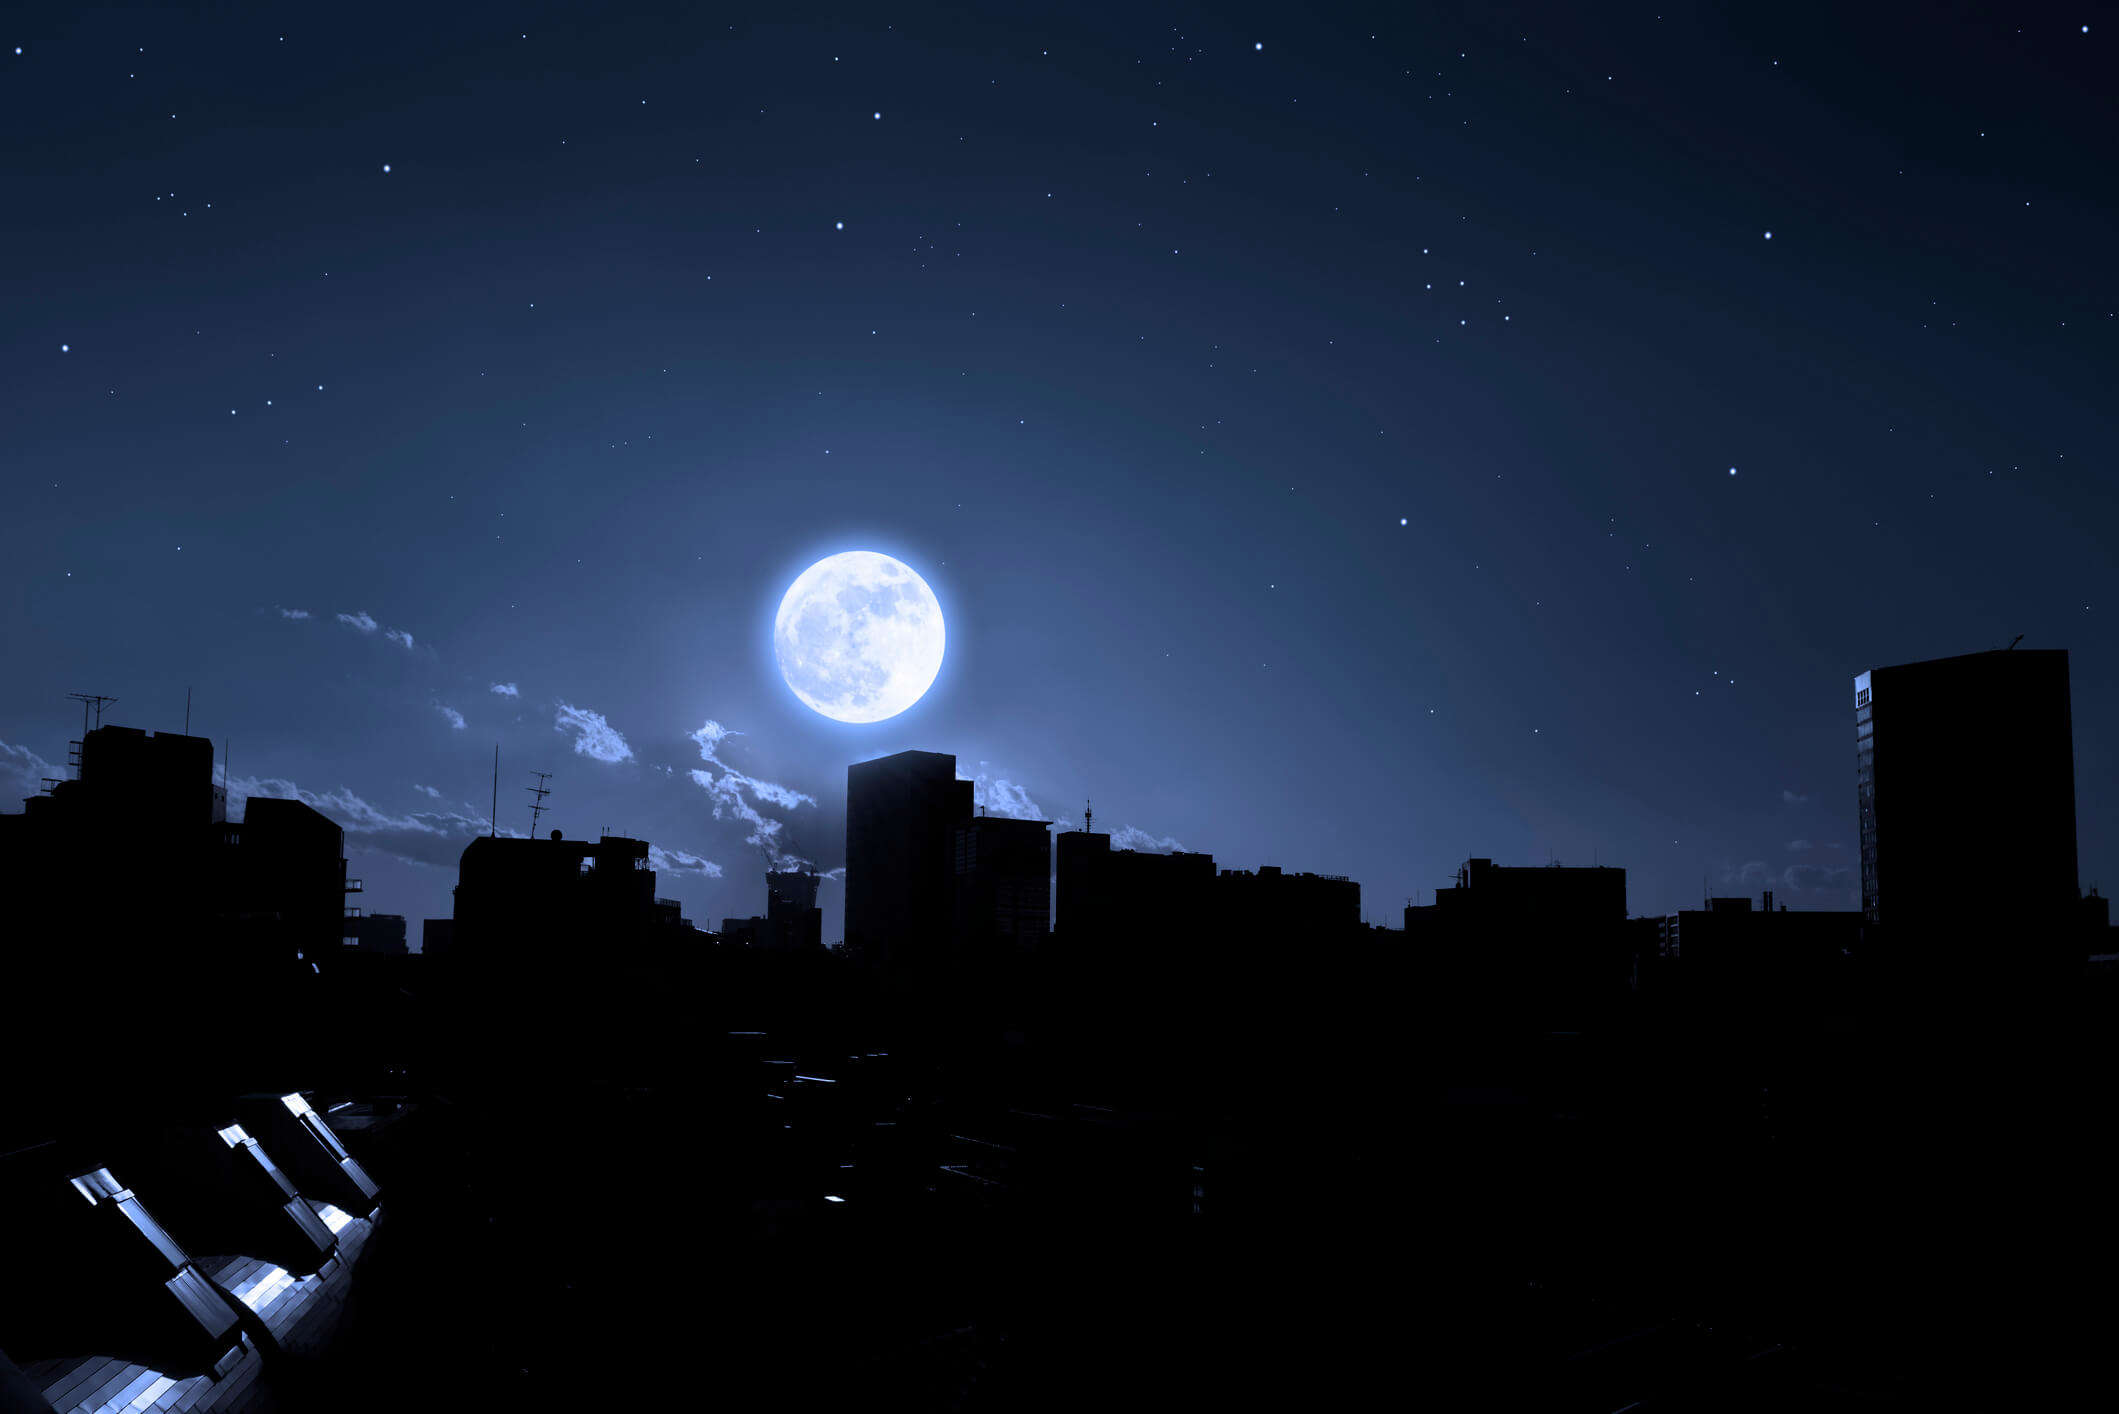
{"x":1348,"y":444}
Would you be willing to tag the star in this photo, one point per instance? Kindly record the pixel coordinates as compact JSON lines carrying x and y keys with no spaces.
{"x":386,"y":166}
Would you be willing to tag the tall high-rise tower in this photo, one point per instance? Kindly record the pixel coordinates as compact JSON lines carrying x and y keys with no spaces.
{"x":901,"y":815}
{"x":1965,"y":783}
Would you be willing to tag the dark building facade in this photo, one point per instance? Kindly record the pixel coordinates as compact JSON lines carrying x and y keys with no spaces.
{"x":1965,"y":791}
{"x":1002,"y":882}
{"x":130,"y":899}
{"x":1545,"y":943}
{"x":792,"y":922}
{"x":902,"y":812}
{"x":534,"y":904}
{"x":1128,"y":896}
{"x":1731,"y":953}
{"x":1282,"y":909}
{"x":381,"y":933}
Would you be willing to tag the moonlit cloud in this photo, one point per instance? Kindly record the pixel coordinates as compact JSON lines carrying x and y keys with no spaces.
{"x":427,"y":791}
{"x":26,"y":770}
{"x":726,"y":786}
{"x":1798,"y":846}
{"x":432,"y":837}
{"x":294,"y":613}
{"x":456,"y":718}
{"x":1817,"y":878}
{"x":593,"y":736}
{"x":361,"y":622}
{"x":1789,"y":797}
{"x":1128,"y":837}
{"x":676,"y":861}
{"x":504,"y":689}
{"x":997,"y":795}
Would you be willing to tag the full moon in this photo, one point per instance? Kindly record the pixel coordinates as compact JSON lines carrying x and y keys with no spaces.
{"x":859,"y":636}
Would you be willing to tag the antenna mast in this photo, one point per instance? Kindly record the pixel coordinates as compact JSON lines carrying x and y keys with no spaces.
{"x":1088,"y":819}
{"x":493,"y":820}
{"x":537,"y":806}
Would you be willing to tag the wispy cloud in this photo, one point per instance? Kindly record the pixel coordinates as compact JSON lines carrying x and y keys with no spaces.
{"x":1127,"y":837}
{"x":294,"y":613}
{"x":435,"y":837}
{"x":1789,"y":797}
{"x":456,"y":718}
{"x":505,"y":689}
{"x":1817,"y":878}
{"x":997,"y":795}
{"x":428,"y":791}
{"x":676,"y":861}
{"x":363,"y":622}
{"x":26,"y":770}
{"x":1756,"y":874}
{"x":1798,"y":846}
{"x":593,"y":736}
{"x":726,"y":786}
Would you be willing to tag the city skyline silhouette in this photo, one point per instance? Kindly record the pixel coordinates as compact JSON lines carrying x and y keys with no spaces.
{"x":985,"y":711}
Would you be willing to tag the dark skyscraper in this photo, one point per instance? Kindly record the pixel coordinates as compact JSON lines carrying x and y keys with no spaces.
{"x":901,"y":815}
{"x":1965,"y":783}
{"x":1002,"y":881}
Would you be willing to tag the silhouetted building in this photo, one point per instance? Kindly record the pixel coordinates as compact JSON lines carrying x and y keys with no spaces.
{"x":535,"y":904}
{"x":287,"y":863}
{"x":1124,"y":898}
{"x":792,"y":922}
{"x":145,"y":808}
{"x":1731,"y":953}
{"x":901,"y":815}
{"x":791,"y":912}
{"x":382,"y":933}
{"x":1002,"y":882}
{"x":1281,"y":909}
{"x":1965,"y":786}
{"x":1546,"y":943}
{"x":437,"y":936}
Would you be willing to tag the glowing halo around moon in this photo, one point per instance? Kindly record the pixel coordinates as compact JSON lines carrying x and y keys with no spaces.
{"x":859,"y":636}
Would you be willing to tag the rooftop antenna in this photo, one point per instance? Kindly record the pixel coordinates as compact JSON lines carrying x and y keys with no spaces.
{"x":2013,"y":642}
{"x":1088,"y":819}
{"x":187,"y":709}
{"x":89,"y":700}
{"x":538,"y":807}
{"x":493,"y":820}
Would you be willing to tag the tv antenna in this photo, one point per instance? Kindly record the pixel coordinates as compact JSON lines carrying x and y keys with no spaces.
{"x":2013,"y":642}
{"x":538,"y":807}
{"x":1088,"y":819}
{"x":88,"y":700}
